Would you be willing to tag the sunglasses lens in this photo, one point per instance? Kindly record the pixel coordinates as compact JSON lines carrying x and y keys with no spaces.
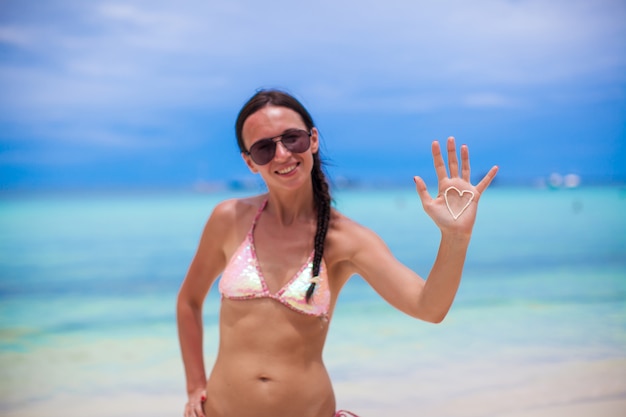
{"x":296,"y":141}
{"x":263,"y":151}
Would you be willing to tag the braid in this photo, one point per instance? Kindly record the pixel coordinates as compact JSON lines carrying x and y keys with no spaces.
{"x":322,"y":200}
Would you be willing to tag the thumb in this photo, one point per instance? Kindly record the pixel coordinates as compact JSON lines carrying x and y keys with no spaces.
{"x":422,"y":191}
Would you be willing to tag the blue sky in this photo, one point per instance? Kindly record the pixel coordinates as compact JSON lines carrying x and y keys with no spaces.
{"x":101,"y":94}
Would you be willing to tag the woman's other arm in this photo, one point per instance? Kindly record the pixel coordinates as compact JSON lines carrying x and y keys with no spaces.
{"x":207,"y":264}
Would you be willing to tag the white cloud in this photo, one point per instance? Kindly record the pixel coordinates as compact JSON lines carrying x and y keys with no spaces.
{"x":15,"y":36}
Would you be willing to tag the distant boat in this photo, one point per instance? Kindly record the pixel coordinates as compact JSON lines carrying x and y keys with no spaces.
{"x":556,"y":180}
{"x":571,"y":181}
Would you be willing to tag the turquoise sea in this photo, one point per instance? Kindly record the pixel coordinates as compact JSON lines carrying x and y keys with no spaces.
{"x":88,"y":286}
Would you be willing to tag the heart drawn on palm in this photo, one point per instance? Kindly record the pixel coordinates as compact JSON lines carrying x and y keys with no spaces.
{"x":457,"y":204}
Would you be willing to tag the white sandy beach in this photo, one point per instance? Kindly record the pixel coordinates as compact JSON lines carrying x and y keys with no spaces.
{"x":595,"y":388}
{"x":565,"y":389}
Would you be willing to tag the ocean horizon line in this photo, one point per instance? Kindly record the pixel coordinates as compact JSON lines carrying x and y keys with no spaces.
{"x":252,"y":186}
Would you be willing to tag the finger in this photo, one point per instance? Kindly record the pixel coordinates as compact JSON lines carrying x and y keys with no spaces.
{"x":484,"y":183}
{"x":192,"y":410}
{"x":422,"y":190}
{"x":465,"y":164}
{"x":440,"y":166}
{"x":453,"y":163}
{"x":202,"y":401}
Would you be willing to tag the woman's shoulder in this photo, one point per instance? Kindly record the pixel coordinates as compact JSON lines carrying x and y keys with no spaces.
{"x":343,"y":225}
{"x":236,"y":209}
{"x":347,"y":243}
{"x":347,"y":233}
{"x":230,"y":219}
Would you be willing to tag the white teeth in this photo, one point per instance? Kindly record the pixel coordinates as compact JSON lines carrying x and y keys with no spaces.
{"x":287,"y":170}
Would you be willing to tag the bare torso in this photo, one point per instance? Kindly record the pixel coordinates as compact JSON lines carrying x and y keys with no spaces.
{"x":269,"y":360}
{"x":269,"y":363}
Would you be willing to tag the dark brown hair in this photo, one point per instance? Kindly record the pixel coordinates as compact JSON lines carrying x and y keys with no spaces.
{"x":321,"y":193}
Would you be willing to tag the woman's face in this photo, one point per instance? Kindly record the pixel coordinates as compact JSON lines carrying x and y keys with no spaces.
{"x":286,"y":169}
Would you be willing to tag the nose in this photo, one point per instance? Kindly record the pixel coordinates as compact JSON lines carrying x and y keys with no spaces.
{"x":281,"y":151}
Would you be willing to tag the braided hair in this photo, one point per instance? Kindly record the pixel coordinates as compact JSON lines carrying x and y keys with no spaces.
{"x":321,"y":193}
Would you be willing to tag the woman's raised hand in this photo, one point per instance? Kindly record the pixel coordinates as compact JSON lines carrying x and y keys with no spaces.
{"x":454,"y":207}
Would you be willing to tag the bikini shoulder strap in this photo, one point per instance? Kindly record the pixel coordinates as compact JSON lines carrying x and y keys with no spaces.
{"x":258,"y":214}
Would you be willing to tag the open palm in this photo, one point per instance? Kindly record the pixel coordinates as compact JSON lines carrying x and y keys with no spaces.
{"x":454,"y":207}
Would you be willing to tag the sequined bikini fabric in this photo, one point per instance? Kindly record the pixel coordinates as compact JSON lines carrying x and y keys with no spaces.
{"x":243,"y":280}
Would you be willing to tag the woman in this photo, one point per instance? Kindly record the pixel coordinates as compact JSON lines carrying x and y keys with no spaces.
{"x":283,"y":258}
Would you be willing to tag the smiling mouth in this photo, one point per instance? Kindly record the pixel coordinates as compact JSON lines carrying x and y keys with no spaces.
{"x":288,"y":169}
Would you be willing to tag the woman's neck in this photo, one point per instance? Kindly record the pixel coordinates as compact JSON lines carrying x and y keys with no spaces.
{"x":289,"y":206}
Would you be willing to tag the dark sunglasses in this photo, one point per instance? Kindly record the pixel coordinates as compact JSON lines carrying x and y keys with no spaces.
{"x":295,"y":140}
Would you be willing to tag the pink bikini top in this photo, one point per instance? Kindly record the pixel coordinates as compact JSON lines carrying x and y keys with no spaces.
{"x":243,"y":280}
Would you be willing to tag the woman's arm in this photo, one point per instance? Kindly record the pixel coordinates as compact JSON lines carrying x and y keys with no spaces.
{"x":205,"y":267}
{"x":454,"y":211}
